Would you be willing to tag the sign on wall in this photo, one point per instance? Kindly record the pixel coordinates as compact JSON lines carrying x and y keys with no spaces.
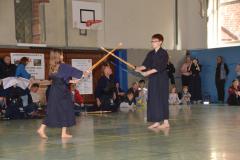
{"x":86,"y":85}
{"x":36,"y":66}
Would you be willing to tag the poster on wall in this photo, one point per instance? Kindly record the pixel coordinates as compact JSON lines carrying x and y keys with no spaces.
{"x":36,"y":66}
{"x":86,"y":85}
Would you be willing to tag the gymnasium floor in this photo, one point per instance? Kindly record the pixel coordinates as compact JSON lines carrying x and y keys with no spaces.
{"x":197,"y":133}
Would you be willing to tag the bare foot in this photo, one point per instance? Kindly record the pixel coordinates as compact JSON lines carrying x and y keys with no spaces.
{"x":156,"y":130}
{"x":163,"y":126}
{"x":66,"y":136}
{"x":155,"y":125}
{"x":42,"y":134}
{"x":167,"y":125}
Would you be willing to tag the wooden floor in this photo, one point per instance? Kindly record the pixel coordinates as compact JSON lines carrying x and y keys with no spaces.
{"x":197,"y":133}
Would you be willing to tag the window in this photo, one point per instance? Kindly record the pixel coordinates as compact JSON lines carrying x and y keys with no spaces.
{"x":223,"y":23}
{"x":30,"y":21}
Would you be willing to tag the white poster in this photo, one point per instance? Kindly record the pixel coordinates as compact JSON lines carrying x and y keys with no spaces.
{"x":36,"y":66}
{"x":86,"y":85}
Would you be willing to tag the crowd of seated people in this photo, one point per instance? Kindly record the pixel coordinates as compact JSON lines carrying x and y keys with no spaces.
{"x":15,"y":102}
{"x":19,"y":103}
{"x":110,"y":97}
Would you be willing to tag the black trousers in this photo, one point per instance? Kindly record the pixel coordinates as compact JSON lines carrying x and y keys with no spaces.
{"x":220,"y":85}
{"x":195,"y":88}
{"x":186,"y":80}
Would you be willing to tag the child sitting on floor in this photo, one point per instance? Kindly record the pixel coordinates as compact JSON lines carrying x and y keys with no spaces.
{"x":186,"y":96}
{"x":142,"y":97}
{"x":128,"y":103}
{"x":77,"y":99}
{"x":135,"y":91}
{"x":173,"y":97}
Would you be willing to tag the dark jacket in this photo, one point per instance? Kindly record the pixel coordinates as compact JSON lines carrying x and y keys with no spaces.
{"x":218,"y":71}
{"x":170,"y":69}
{"x":7,"y":70}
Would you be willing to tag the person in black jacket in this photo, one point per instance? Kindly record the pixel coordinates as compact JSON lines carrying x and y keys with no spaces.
{"x":6,"y":68}
{"x":14,"y":104}
{"x":171,"y":71}
{"x":105,"y":92}
{"x":195,"y":83}
{"x":220,"y":78}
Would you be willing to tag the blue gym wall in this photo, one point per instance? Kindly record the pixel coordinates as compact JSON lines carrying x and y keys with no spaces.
{"x":121,"y":69}
{"x":207,"y":58}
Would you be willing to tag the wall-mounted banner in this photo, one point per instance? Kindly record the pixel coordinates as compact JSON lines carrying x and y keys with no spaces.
{"x":86,"y":85}
{"x":36,"y":66}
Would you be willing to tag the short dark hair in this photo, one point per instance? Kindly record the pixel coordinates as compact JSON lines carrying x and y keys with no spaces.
{"x":35,"y":85}
{"x":142,"y":81}
{"x":129,"y":92}
{"x":158,"y":36}
{"x":24,"y":60}
{"x":235,"y":80}
{"x":106,"y":64}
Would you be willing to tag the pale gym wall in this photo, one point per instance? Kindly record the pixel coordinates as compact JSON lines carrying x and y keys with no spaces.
{"x":129,"y":21}
{"x":132,"y":22}
{"x":7,"y":23}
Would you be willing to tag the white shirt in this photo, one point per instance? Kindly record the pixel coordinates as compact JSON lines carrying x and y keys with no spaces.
{"x":35,"y":97}
{"x":173,"y":98}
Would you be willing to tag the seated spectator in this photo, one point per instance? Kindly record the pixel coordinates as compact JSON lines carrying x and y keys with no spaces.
{"x":34,"y":93}
{"x":119,"y":93}
{"x":14,"y":105}
{"x":234,"y":93}
{"x":21,"y":69}
{"x":2,"y":105}
{"x":33,"y":101}
{"x":143,"y":93}
{"x":186,"y":96}
{"x":135,"y":91}
{"x":128,"y":103}
{"x":173,"y":97}
{"x":77,"y":99}
{"x":6,"y":68}
{"x":2,"y":99}
{"x":105,"y":92}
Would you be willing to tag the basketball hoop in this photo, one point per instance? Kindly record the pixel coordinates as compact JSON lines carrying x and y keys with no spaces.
{"x":90,"y":23}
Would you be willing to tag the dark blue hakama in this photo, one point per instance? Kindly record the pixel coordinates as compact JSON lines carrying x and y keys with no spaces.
{"x":60,"y":107}
{"x":104,"y":91}
{"x":158,"y":86}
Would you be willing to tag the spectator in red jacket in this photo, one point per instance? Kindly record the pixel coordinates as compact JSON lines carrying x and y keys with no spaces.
{"x":234,"y":93}
{"x":77,"y":98}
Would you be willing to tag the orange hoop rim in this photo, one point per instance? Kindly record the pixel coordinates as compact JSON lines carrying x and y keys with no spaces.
{"x":89,"y":23}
